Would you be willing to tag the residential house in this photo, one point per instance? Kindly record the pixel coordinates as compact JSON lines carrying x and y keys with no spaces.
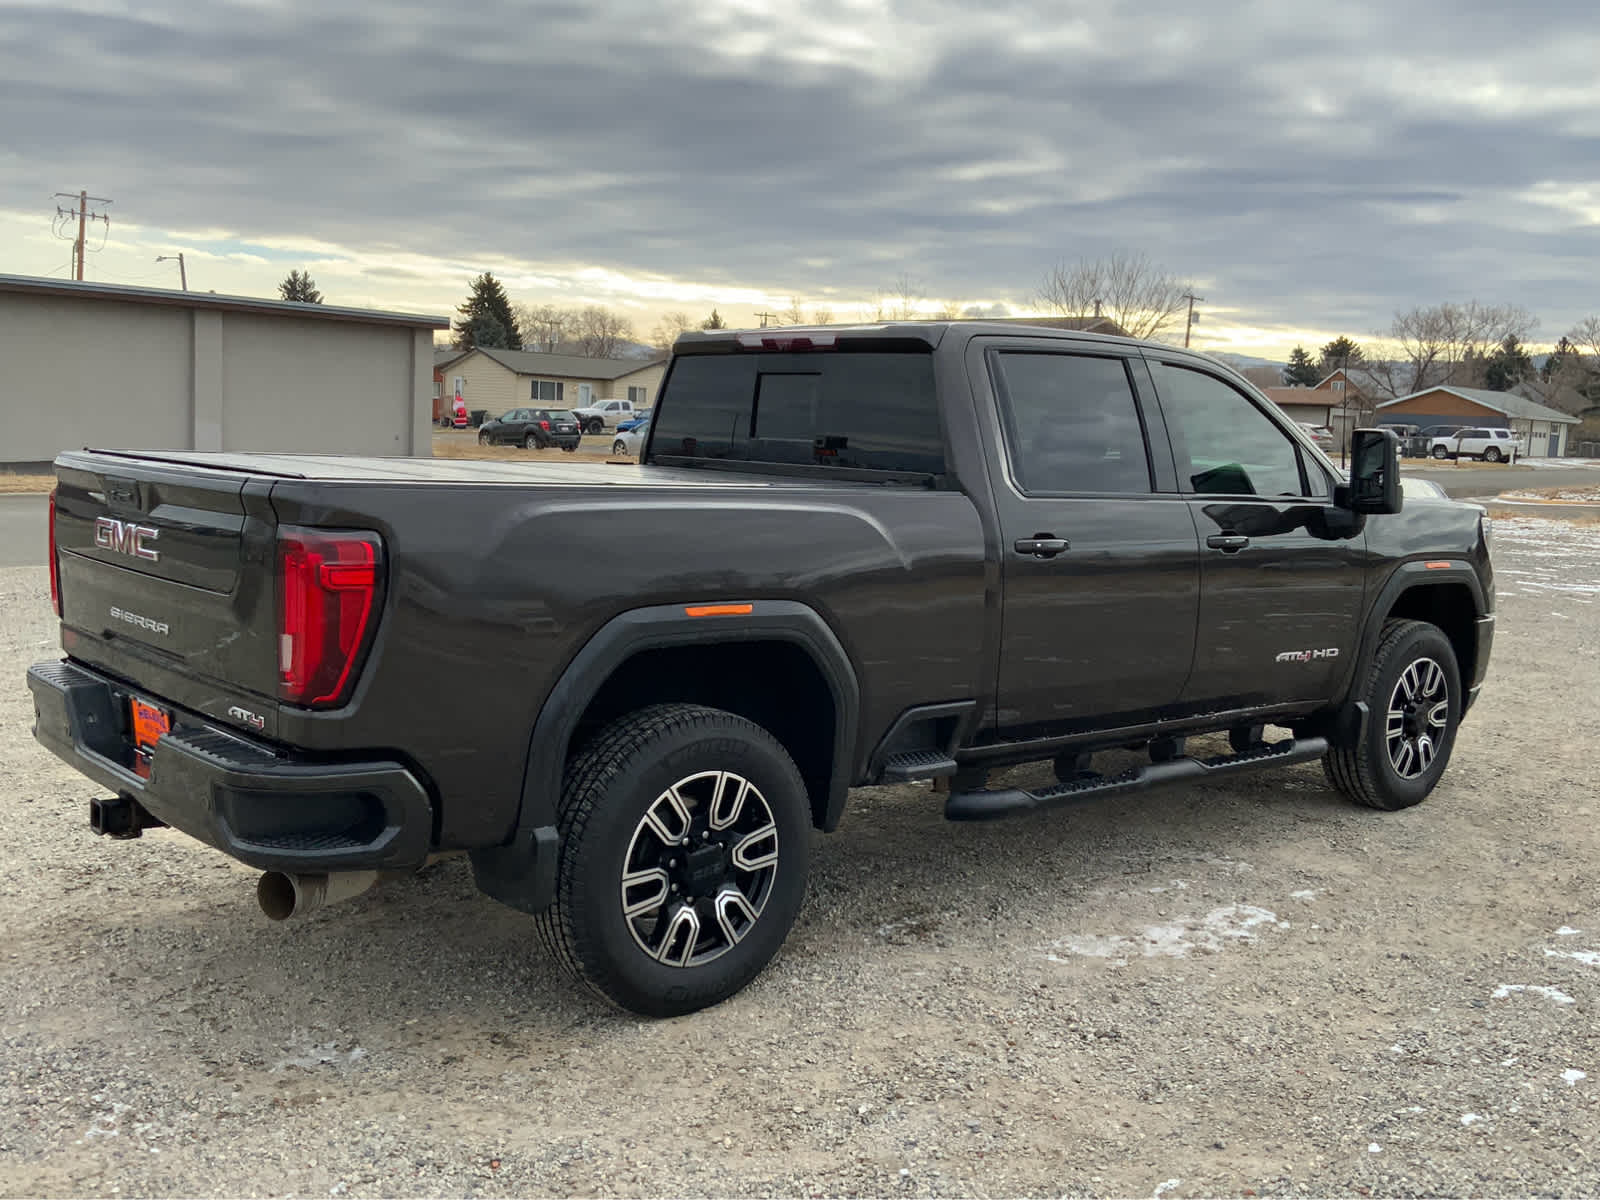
{"x":1542,"y":429}
{"x":494,"y":380}
{"x":1302,"y":403}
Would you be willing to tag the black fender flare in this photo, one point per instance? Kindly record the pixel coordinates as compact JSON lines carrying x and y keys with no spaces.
{"x":1418,"y":573}
{"x":522,"y":872}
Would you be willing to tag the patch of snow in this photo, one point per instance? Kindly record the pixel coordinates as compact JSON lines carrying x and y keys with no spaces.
{"x":1176,"y":939}
{"x":1589,"y":958}
{"x":1549,"y":993}
{"x":1470,"y":1118}
{"x":1374,"y":1148}
{"x":1568,"y":931}
{"x":1304,"y":894}
{"x":1571,"y":1076}
{"x":1163,"y":1188}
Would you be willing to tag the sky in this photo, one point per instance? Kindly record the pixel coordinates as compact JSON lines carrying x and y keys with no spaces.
{"x":1311,"y":167}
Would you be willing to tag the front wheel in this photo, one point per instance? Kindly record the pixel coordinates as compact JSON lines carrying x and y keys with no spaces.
{"x":1412,"y":691}
{"x":685,"y":839}
{"x":619,"y":447}
{"x":1440,"y":452}
{"x":483,"y":439}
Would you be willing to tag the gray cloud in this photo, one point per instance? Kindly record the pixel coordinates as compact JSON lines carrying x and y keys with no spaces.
{"x":1312,"y":164}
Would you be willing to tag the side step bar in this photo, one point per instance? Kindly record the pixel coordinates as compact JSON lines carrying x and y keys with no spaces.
{"x":983,"y":804}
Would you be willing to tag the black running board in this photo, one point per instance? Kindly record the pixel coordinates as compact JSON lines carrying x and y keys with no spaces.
{"x":985,"y":804}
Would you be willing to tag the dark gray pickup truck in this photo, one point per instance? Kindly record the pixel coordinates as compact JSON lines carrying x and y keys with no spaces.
{"x":848,"y":556}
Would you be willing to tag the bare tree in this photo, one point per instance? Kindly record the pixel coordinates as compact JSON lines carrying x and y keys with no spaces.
{"x":544,"y":326}
{"x":1140,"y":296}
{"x":1586,"y":336}
{"x":1444,"y":344}
{"x":667,"y":329}
{"x":951,"y":310}
{"x":600,"y":333}
{"x":822,"y":315}
{"x":900,"y":301}
{"x":795,"y":314}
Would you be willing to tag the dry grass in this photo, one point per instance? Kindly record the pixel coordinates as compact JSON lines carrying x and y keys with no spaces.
{"x":14,"y":484}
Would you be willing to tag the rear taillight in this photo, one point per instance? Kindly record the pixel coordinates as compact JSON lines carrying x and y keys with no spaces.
{"x":545,"y":425}
{"x":55,"y":559}
{"x":329,"y":592}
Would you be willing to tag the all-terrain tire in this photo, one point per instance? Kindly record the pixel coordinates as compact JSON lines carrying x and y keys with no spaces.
{"x":1366,"y":769}
{"x":612,"y":790}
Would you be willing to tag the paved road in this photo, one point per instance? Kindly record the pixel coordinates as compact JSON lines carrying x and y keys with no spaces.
{"x":24,"y":530}
{"x":1473,"y":481}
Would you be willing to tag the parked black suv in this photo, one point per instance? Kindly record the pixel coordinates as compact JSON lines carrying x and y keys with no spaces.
{"x":533,"y":428}
{"x":848,"y":556}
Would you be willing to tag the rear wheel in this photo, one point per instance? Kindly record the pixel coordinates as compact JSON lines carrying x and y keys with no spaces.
{"x":1412,"y":691}
{"x":685,"y":838}
{"x":1492,"y":454}
{"x":530,"y":442}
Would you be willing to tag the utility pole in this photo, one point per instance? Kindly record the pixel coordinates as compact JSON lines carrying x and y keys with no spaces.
{"x":1189,"y":325}
{"x":765,"y":316}
{"x":81,"y":211}
{"x":183,"y":275}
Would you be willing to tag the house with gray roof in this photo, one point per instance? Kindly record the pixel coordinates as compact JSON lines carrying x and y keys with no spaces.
{"x":492,"y":380}
{"x":1541,"y":428}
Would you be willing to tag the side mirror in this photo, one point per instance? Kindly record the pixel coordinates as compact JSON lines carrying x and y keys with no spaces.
{"x":1374,"y":485}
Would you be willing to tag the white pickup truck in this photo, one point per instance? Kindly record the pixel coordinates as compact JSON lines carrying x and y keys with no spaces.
{"x":1491,"y":445}
{"x":596,"y":416}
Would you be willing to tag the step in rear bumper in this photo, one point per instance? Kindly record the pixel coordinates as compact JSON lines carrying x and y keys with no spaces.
{"x":268,"y":808}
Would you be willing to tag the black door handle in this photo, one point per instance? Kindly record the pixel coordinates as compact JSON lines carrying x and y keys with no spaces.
{"x":1228,"y":543}
{"x":1041,"y":545}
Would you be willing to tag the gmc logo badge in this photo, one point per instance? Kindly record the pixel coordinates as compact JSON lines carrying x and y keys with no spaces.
{"x":126,"y":537}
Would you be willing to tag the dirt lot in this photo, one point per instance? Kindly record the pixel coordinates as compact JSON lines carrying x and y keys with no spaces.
{"x":1249,"y":989}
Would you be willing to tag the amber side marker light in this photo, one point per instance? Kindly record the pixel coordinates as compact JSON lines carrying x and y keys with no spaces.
{"x":720,"y":610}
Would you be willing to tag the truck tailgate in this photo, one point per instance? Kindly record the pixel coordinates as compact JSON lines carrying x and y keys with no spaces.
{"x":166,"y":579}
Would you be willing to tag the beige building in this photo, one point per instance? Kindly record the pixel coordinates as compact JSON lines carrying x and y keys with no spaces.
{"x":133,"y":368}
{"x":497,"y":380}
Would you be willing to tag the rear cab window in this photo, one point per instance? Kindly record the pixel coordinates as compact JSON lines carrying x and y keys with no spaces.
{"x":865,"y":410}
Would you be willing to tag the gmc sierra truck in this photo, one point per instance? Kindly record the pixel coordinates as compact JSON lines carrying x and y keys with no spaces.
{"x":847,"y":556}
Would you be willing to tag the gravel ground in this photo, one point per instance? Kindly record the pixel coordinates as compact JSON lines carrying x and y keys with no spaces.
{"x":1250,"y":989}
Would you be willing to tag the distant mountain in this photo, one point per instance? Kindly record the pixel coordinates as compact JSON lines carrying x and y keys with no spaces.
{"x":1240,"y":362}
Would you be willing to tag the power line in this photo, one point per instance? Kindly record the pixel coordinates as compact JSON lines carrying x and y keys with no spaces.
{"x":64,"y":217}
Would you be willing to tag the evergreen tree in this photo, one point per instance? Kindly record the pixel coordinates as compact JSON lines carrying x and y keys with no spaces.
{"x":1508,"y":366}
{"x":1301,"y":371}
{"x":298,"y":286}
{"x":486,"y":330}
{"x":488,"y":298}
{"x":714,"y":321}
{"x":1564,"y":355}
{"x":1341,"y":352}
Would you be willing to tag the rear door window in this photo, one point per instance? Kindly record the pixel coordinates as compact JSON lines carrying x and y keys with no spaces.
{"x":865,"y":410}
{"x":1072,"y":424}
